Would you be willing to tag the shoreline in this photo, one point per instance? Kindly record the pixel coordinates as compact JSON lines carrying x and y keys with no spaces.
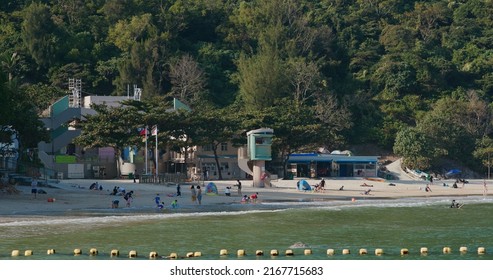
{"x":74,"y":201}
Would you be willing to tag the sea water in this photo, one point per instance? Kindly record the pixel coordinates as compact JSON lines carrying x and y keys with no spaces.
{"x":390,"y":225}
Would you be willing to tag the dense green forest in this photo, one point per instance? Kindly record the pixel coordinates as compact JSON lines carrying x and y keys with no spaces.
{"x":415,"y":77}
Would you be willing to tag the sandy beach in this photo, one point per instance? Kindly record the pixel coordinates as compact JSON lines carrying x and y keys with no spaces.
{"x":68,"y":197}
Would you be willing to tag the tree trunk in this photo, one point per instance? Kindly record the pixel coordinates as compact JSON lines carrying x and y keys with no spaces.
{"x":216,"y":158}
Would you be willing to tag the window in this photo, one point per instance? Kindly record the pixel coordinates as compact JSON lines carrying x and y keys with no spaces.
{"x":207,"y":148}
{"x":224,"y":146}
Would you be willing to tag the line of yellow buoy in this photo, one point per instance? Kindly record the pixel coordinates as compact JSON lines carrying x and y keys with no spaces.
{"x":241,"y":252}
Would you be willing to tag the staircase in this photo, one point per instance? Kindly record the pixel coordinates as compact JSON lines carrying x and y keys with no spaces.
{"x":58,"y":125}
{"x":244,"y":163}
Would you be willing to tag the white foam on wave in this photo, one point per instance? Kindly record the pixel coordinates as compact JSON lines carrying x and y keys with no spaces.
{"x":333,"y":205}
{"x":385,"y":203}
{"x":77,"y":221}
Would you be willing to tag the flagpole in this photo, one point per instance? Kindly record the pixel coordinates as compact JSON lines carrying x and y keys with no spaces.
{"x":146,"y":131}
{"x":157,"y":156}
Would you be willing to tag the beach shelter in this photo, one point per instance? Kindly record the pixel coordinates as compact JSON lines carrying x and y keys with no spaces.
{"x":304,"y":186}
{"x":211,"y":189}
{"x":453,"y":172}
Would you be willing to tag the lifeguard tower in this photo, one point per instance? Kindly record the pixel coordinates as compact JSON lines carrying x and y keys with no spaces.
{"x":259,"y":149}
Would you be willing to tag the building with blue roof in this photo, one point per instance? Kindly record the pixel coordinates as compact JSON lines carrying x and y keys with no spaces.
{"x":314,"y":165}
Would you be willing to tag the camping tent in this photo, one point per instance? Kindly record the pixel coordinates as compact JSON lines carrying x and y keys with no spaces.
{"x":211,"y":189}
{"x":304,"y":186}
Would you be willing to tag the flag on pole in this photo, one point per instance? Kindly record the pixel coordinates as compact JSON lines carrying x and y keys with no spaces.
{"x":146,"y":130}
{"x":154,"y":130}
{"x":143,"y":131}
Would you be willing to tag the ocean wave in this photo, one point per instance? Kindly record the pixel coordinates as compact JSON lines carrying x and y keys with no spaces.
{"x":263,"y":207}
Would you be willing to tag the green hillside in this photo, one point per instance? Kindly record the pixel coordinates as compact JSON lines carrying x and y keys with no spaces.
{"x":413,"y":77}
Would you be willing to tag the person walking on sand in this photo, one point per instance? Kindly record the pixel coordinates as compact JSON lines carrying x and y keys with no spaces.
{"x":193,"y":193}
{"x":178,"y":190}
{"x":157,"y":199}
{"x":239,"y":187}
{"x":199,"y":195}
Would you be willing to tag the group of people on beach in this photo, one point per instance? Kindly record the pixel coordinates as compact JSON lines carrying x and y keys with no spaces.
{"x":455,"y":204}
{"x":127,"y":196}
{"x":252,"y":198}
{"x":160,"y":204}
{"x":196,"y":194}
{"x":96,"y":187}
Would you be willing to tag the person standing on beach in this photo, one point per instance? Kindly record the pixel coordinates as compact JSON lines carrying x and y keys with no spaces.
{"x":239,"y":187}
{"x":193,"y":193}
{"x":199,"y":195}
{"x":485,"y":188}
{"x":157,"y":199}
{"x":34,"y":187}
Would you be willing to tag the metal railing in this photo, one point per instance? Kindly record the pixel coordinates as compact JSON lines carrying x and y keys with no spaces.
{"x":165,"y":179}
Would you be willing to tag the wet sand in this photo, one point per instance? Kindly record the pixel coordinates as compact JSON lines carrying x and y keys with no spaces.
{"x":73,"y":197}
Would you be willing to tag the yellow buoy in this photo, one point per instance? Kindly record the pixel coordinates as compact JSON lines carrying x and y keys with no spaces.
{"x":363,"y":251}
{"x":28,"y":253}
{"x":423,"y":251}
{"x":153,"y":255}
{"x":197,"y":254}
{"x":289,"y":252}
{"x":404,"y":251}
{"x":463,"y":250}
{"x":346,"y":251}
{"x":132,"y":254}
{"x":223,"y":252}
{"x":15,"y":253}
{"x":77,"y":252}
{"x":481,"y":251}
{"x":447,"y":250}
{"x":378,"y":252}
{"x":93,"y":251}
{"x":50,"y":252}
{"x":330,"y":252}
{"x":173,"y":256}
{"x":240,"y":252}
{"x":307,"y":252}
{"x":189,"y":255}
{"x":274,"y":252}
{"x":115,"y":253}
{"x":259,"y":253}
